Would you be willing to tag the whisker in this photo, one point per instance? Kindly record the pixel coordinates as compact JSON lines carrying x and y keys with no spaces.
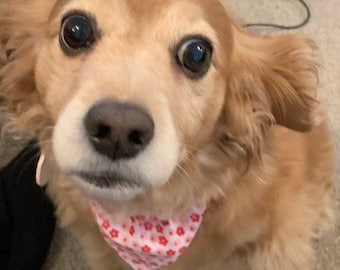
{"x":187,"y":177}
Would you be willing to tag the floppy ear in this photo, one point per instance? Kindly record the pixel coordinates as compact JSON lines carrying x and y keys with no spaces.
{"x":272,"y":80}
{"x":21,"y":32}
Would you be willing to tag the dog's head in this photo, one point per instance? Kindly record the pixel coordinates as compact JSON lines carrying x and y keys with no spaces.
{"x":137,"y":91}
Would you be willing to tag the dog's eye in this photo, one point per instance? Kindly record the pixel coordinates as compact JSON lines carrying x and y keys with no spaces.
{"x":76,"y":33}
{"x":194,"y":56}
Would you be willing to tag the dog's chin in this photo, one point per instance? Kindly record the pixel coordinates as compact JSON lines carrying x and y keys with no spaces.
{"x":117,"y":192}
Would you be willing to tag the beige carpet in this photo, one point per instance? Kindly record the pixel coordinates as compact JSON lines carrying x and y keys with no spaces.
{"x":324,"y":28}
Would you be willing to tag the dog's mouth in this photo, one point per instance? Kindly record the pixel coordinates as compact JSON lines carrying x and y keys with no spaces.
{"x":108,"y":179}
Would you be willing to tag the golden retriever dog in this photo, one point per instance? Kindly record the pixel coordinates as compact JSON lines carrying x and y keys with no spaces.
{"x":147,"y":108}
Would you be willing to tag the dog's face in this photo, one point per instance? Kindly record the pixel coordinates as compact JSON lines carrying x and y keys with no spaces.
{"x":129,"y":87}
{"x":136,"y":89}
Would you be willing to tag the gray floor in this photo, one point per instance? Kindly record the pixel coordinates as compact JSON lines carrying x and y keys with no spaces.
{"x":325,"y":30}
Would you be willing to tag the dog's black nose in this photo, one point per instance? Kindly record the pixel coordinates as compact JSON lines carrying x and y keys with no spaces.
{"x":118,"y":130}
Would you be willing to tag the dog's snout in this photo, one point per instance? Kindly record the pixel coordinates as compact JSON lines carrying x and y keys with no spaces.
{"x":118,"y":130}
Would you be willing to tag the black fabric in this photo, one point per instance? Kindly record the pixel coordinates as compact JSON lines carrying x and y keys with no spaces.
{"x":26,"y":215}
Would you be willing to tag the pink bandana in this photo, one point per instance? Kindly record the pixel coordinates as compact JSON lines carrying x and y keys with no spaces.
{"x":146,"y":242}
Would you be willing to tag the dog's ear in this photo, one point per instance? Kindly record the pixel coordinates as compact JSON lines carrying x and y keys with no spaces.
{"x":272,"y":80}
{"x":22,"y":26}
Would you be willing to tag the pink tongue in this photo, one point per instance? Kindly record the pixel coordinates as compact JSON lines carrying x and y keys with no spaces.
{"x":146,"y":242}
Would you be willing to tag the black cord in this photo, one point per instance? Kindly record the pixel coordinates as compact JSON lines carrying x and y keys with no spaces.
{"x":285,"y":27}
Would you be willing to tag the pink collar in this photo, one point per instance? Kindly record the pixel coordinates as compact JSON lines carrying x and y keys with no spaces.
{"x":146,"y":242}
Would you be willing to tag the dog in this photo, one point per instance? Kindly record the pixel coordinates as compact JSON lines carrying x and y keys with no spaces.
{"x":163,"y":112}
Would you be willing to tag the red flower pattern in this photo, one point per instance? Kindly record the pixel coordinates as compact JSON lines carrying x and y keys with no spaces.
{"x":180,"y":231}
{"x":182,"y":249}
{"x":195,"y":217}
{"x":146,"y":249}
{"x":165,"y":222}
{"x":148,"y":226}
{"x":132,"y":230}
{"x":163,"y":241}
{"x":171,"y":252}
{"x":146,"y":242}
{"x":106,"y":224}
{"x":159,"y":228}
{"x":114,"y":233}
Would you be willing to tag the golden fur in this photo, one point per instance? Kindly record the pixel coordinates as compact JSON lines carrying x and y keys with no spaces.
{"x":253,"y":143}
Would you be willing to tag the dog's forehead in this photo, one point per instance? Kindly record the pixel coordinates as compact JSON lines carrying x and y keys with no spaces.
{"x":120,"y":15}
{"x":140,"y":7}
